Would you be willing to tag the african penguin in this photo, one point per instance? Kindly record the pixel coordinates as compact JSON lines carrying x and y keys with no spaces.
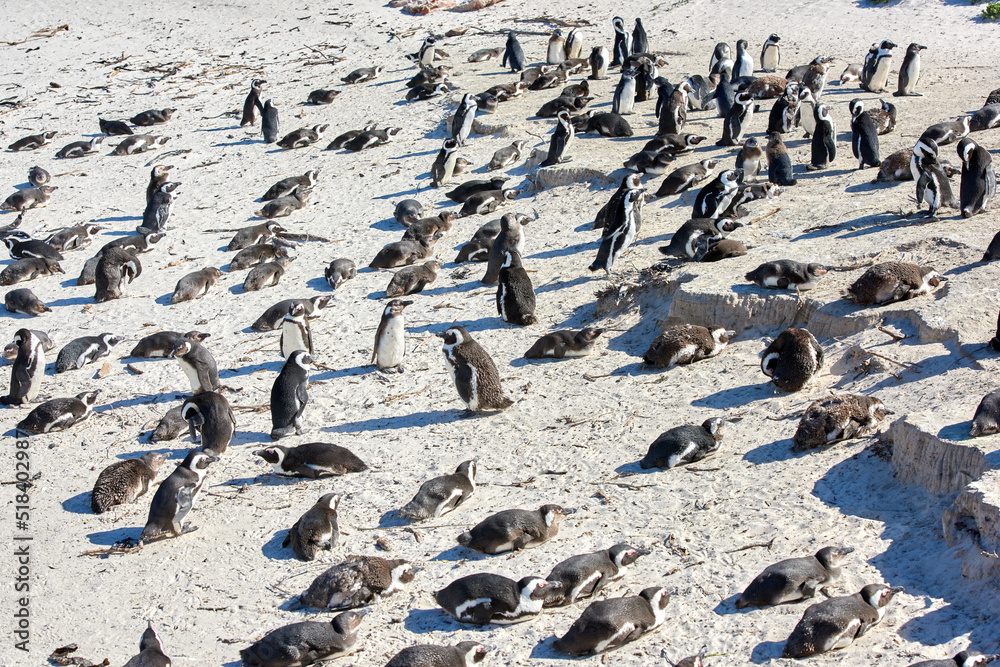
{"x":210,"y":414}
{"x":175,"y":497}
{"x":837,"y":418}
{"x":357,"y":581}
{"x":124,"y":481}
{"x":315,"y":530}
{"x":564,"y":344}
{"x":289,"y":396}
{"x":390,"y":338}
{"x":27,"y":370}
{"x":607,"y":624}
{"x":491,"y":598}
{"x":59,"y":414}
{"x":295,"y":331}
{"x":305,"y":642}
{"x":312,"y":460}
{"x":686,"y":344}
{"x":794,"y":579}
{"x":515,"y":295}
{"x":513,"y":530}
{"x":835,"y":623}
{"x":787,"y":274}
{"x":472,"y":370}
{"x":684,"y":444}
{"x":584,"y":575}
{"x":441,"y":495}
{"x":463,"y":654}
{"x":792,"y":359}
{"x":890,"y":282}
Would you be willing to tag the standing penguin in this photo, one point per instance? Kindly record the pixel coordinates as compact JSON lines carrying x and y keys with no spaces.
{"x":743,"y":65}
{"x":465,"y":115}
{"x":738,"y":120}
{"x":620,"y":50}
{"x":979,"y":180}
{"x":442,"y":494}
{"x":316,"y":529}
{"x":472,"y":370}
{"x":174,"y":499}
{"x":158,"y":208}
{"x":824,"y":139}
{"x":909,"y":72}
{"x":673,"y":117}
{"x":835,"y":623}
{"x":750,"y":159}
{"x":607,"y":624}
{"x":289,"y":396}
{"x":515,"y":294}
{"x":198,"y":365}
{"x":864,"y":137}
{"x":444,"y":164}
{"x":562,"y":137}
{"x":624,"y":99}
{"x":770,"y":54}
{"x":713,"y":199}
{"x":427,"y":52}
{"x":878,"y":68}
{"x":390,"y":339}
{"x":306,"y":642}
{"x":640,"y":44}
{"x":510,"y":237}
{"x":151,"y":652}
{"x":598,"y":63}
{"x":210,"y":413}
{"x":779,"y":165}
{"x":513,"y":54}
{"x":252,"y":103}
{"x":295,"y":331}
{"x":792,"y":359}
{"x":934,"y":187}
{"x":557,"y":51}
{"x":624,"y":223}
{"x":27,"y":370}
{"x":269,"y":122}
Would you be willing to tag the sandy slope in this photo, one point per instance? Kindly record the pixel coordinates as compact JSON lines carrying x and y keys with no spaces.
{"x":214,"y":591}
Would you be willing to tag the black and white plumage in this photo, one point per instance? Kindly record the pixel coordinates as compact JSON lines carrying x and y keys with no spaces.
{"x":979,"y":180}
{"x":306,"y":642}
{"x":32,"y":141}
{"x":513,"y":54}
{"x":934,"y":187}
{"x":169,"y":427}
{"x":584,"y":575}
{"x":28,"y":198}
{"x":515,"y":294}
{"x":837,"y":418}
{"x":770,"y":54}
{"x":124,"y":481}
{"x":27,"y":370}
{"x":686,"y":344}
{"x":476,"y":377}
{"x":824,"y":139}
{"x":684,"y":444}
{"x":890,"y":282}
{"x":340,"y":270}
{"x":561,"y":140}
{"x":312,"y":460}
{"x":79,"y":148}
{"x":38,"y":177}
{"x":31,"y":248}
{"x":59,"y":414}
{"x":620,"y":51}
{"x":209,"y":415}
{"x":792,"y":359}
{"x":794,"y":579}
{"x":295,"y":331}
{"x":491,"y":598}
{"x":198,"y":365}
{"x":835,"y":623}
{"x":513,"y":530}
{"x":357,"y":581}
{"x":949,"y":131}
{"x":875,"y":75}
{"x":289,"y":396}
{"x":864,"y":137}
{"x":624,"y":97}
{"x":29,"y":269}
{"x":909,"y":72}
{"x":151,"y":653}
{"x":252,"y":103}
{"x":564,"y":344}
{"x":302,"y":137}
{"x":70,"y":238}
{"x":25,"y":302}
{"x":390,"y":338}
{"x":507,"y":156}
{"x":743,"y":64}
{"x":273,"y":317}
{"x":465,"y":115}
{"x":152,"y":117}
{"x":463,"y":654}
{"x":175,"y":497}
{"x":686,"y":177}
{"x":607,"y":624}
{"x":161,"y":343}
{"x":441,"y":495}
{"x":750,"y":159}
{"x":715,"y":197}
{"x":283,"y":188}
{"x":986,"y":118}
{"x":315,"y":530}
{"x":787,"y":274}
{"x":962,"y":659}
{"x":674,"y":114}
{"x":139,"y":143}
{"x":157,"y":212}
{"x":269,"y":122}
{"x":640,"y":44}
{"x":444,"y":164}
{"x":363,"y":74}
{"x":599,"y":63}
{"x":620,"y":230}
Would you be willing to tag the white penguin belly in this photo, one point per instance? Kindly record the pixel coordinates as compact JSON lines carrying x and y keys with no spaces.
{"x":469,"y":604}
{"x":843,"y":639}
{"x":443,"y":506}
{"x":391,"y":345}
{"x":881,"y":75}
{"x":36,"y":383}
{"x":689,"y":449}
{"x":616,"y":638}
{"x":292,"y":340}
{"x":192,"y":376}
{"x":685,"y":354}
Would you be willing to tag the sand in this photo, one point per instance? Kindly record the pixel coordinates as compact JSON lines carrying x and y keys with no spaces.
{"x":578,"y":427}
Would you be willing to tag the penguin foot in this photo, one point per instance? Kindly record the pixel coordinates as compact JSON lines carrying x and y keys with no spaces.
{"x":188,"y":528}
{"x":813,"y":167}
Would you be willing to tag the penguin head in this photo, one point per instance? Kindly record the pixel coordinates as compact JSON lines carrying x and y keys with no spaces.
{"x":181,"y":347}
{"x":330,"y":501}
{"x":10,"y":351}
{"x":449,"y":146}
{"x":731,"y":178}
{"x":930,"y":276}
{"x":618,"y":23}
{"x":154,"y":460}
{"x":879,"y":595}
{"x":149,"y":640}
{"x":301,"y":359}
{"x":401,"y":571}
{"x":455,"y":336}
{"x":886,"y":45}
{"x":856,"y":107}
{"x":396,"y":306}
{"x":472,"y":653}
{"x":715,"y":426}
{"x":816,"y":270}
{"x":468,"y":468}
{"x":656,"y":596}
{"x":625,"y":554}
{"x":590,"y":333}
{"x":49,"y":135}
{"x":197,"y":336}
{"x":832,"y":556}
{"x":110,"y":339}
{"x":88,"y":397}
{"x":198,"y":460}
{"x":348,"y":622}
{"x":273,"y":455}
{"x":774,"y":39}
{"x":296,"y":311}
{"x":693,"y":139}
{"x":721,"y":334}
{"x":965,"y":148}
{"x":973,"y":658}
{"x":553,"y":514}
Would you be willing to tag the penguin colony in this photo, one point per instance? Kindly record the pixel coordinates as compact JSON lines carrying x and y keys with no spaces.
{"x":265,"y":250}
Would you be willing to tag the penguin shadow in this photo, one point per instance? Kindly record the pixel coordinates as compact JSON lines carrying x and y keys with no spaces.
{"x":766,"y":652}
{"x":959,"y":270}
{"x":164,"y":299}
{"x":403,"y":157}
{"x":422,"y":621}
{"x":386,"y":225}
{"x":78,"y":504}
{"x":684,"y":200}
{"x":19,"y":316}
{"x":404,"y":194}
{"x":557,"y":285}
{"x":733,"y":397}
{"x":71,"y":282}
{"x":352,"y":371}
{"x":106,"y":538}
{"x":468,"y":286}
{"x":252,"y":438}
{"x":458,"y":553}
{"x":227,"y":128}
{"x":317,"y":284}
{"x":71,"y":301}
{"x":244,"y":142}
{"x":415,"y":419}
{"x":568,"y":250}
{"x":772,"y":452}
{"x":272,"y":548}
{"x":727,"y":606}
{"x":270,"y":366}
{"x":937,"y":627}
{"x":956,"y":432}
{"x":864,"y":224}
{"x":265,"y":478}
{"x":866,"y":186}
{"x":391,"y":519}
{"x":543,"y":650}
{"x":120,"y":218}
{"x":801,"y":173}
{"x":473,"y":326}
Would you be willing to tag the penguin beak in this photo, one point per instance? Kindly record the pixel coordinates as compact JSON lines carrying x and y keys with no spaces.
{"x":212,"y":459}
{"x":440,"y":334}
{"x":888,"y":412}
{"x":642,"y":552}
{"x":843,"y":551}
{"x":568,"y":510}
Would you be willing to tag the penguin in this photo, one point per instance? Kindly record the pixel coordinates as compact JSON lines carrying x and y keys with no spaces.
{"x":28,"y":198}
{"x":289,"y":396}
{"x":864,"y":137}
{"x":513,"y":530}
{"x":878,"y":77}
{"x":463,"y":654}
{"x":510,"y":237}
{"x":151,"y":652}
{"x":743,"y":65}
{"x":686,"y":344}
{"x":513,"y":54}
{"x":287,"y":186}
{"x":412,"y":279}
{"x":124,"y":481}
{"x":724,"y":95}
{"x":924,"y":149}
{"x":24,"y":302}
{"x":444,"y":164}
{"x":295,"y":331}
{"x":390,"y":339}
{"x":115,"y":269}
{"x":943,"y":133}
{"x":408,"y":211}
{"x":315,"y":530}
{"x":890,"y":282}
{"x":157,"y":212}
{"x":792,"y":359}
{"x":684,"y":444}
{"x":738,"y":119}
{"x":794,"y":579}
{"x":340,"y":270}
{"x":624,"y":97}
{"x":139,"y":143}
{"x":22,"y":249}
{"x":824,"y":139}
{"x":573,"y":46}
{"x":979,"y":180}
{"x":269,"y":122}
{"x":787,"y":274}
{"x":312,"y":460}
{"x":254,"y":235}
{"x":608,"y":125}
{"x":29,"y":269}
{"x":934,"y":187}
{"x":835,"y":623}
{"x":175,"y":497}
{"x":79,"y":148}
{"x":556,"y":51}
{"x":767,"y":87}
{"x":986,"y":118}
{"x":696,"y":237}
{"x":306,"y":642}
{"x":749,"y":159}
{"x":985,"y":421}
{"x":135,"y":243}
{"x":836,"y":418}
{"x":198,"y":365}
{"x":210,"y":414}
{"x":993,"y":253}
{"x":32,"y":141}
{"x":71,"y":238}
{"x":564,"y":344}
{"x":462,"y":193}
{"x":113,"y":127}
{"x":584,"y":575}
{"x":152,"y":117}
{"x":195,"y":285}
{"x":505,"y":157}
{"x":264,"y":275}
{"x":770,"y":54}
{"x":620,"y":50}
{"x":598,"y":63}
{"x":427,"y":52}
{"x":721,"y":52}
{"x":783,"y":113}
{"x":561,"y":140}
{"x":515,"y":294}
{"x":355,"y":582}
{"x":427,"y":91}
{"x":909,"y":72}
{"x":567,"y":102}
{"x":672,"y":118}
{"x":472,"y":370}
{"x":302,"y":137}
{"x":81,"y":351}
{"x":441,"y":495}
{"x":851,"y":73}
{"x":363,"y":74}
{"x":404,"y":253}
{"x":169,"y":427}
{"x":27,"y":369}
{"x":620,"y":230}
{"x":37,"y":177}
{"x":607,"y":624}
{"x":161,"y":343}
{"x":252,"y":103}
{"x":484,"y":598}
{"x":779,"y":165}
{"x":59,"y":414}
{"x":281,"y":207}
{"x":724,"y":249}
{"x":963,"y":659}
{"x":482,"y":55}
{"x":650,"y":162}
{"x":371,"y":139}
{"x":714,"y":198}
